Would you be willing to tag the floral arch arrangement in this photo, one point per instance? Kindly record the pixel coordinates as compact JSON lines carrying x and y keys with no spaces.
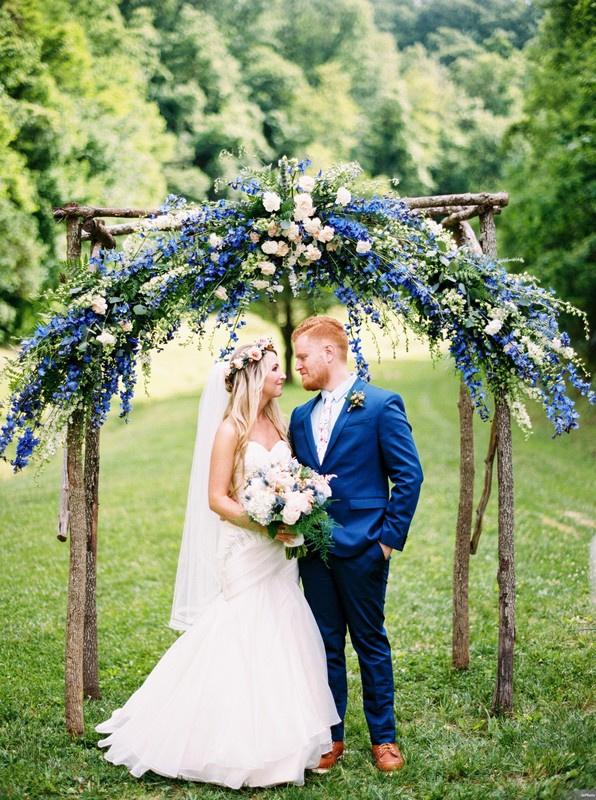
{"x":384,"y":263}
{"x":389,"y":267}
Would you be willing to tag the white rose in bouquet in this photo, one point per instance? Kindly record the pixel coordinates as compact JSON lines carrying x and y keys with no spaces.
{"x":306,"y":183}
{"x":271,"y":201}
{"x":343,"y":196}
{"x":303,"y":206}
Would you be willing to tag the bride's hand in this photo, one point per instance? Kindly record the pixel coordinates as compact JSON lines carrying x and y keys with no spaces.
{"x":285,"y":535}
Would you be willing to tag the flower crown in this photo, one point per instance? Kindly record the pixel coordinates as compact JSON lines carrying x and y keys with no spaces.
{"x":252,"y":354}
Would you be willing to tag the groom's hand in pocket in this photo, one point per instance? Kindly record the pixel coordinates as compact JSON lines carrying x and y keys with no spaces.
{"x":386,"y":550}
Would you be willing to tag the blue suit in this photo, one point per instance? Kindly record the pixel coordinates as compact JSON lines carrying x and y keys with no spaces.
{"x":369,"y":446}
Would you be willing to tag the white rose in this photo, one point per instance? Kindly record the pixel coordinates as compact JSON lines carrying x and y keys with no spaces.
{"x":260,"y":285}
{"x":106,"y":338}
{"x":269,"y":247}
{"x":326,"y":234}
{"x":494,"y":326}
{"x":215,"y":240}
{"x":267,"y":267}
{"x":312,"y":253}
{"x":292,"y":232}
{"x":98,"y":304}
{"x":362,"y":246}
{"x":221,"y":293}
{"x":312,"y":226}
{"x":303,"y":206}
{"x":271,"y":201}
{"x":343,"y":196}
{"x":306,"y":183}
{"x":254,"y":237}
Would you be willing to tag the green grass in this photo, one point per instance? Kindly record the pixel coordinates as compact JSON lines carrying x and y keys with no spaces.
{"x":453,"y":747}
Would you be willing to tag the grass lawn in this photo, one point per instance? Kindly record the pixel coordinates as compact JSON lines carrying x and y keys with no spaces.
{"x":453,"y":748}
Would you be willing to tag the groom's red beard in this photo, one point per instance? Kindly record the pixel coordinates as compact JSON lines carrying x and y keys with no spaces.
{"x":316,"y":378}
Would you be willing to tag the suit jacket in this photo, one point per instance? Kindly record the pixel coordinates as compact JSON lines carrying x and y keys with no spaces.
{"x":369,"y":446}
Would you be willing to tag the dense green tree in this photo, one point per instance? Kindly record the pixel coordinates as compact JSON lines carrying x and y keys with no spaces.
{"x":74,"y":124}
{"x":552,"y":160}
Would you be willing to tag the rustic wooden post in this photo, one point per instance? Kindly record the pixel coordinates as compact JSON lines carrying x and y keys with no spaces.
{"x":75,"y":614}
{"x":77,"y":523}
{"x":460,"y":635}
{"x":503,"y":694}
{"x":91,"y":477}
{"x":460,"y":653}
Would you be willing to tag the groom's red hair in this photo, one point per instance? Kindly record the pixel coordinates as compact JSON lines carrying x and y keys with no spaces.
{"x":323,"y":327}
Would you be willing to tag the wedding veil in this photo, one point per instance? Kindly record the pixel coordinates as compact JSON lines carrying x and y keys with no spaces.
{"x":197,"y":579}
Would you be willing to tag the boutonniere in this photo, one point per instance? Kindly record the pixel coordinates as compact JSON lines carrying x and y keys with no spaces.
{"x":356,"y":400}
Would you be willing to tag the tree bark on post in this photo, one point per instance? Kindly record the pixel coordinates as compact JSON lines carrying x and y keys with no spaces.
{"x":75,"y":614}
{"x":503,"y":695}
{"x":460,"y":635}
{"x":90,"y":650}
{"x":77,"y":521}
{"x":460,"y":652}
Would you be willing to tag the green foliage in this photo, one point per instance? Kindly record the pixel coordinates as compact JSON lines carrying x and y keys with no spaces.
{"x":454,"y":749}
{"x":74,"y":125}
{"x":551,"y":172}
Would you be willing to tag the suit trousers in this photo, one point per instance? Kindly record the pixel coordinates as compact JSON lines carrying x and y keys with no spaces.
{"x":349,"y":595}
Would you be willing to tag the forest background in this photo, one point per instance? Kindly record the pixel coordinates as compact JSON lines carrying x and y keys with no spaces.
{"x":121,"y":103}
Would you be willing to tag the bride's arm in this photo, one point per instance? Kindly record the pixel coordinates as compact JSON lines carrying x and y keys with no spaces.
{"x":220,"y":480}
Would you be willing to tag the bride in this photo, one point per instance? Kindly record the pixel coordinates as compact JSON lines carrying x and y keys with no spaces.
{"x":241,"y":697}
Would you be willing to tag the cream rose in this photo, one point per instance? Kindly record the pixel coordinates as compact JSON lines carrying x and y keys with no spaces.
{"x":271,"y":201}
{"x":343,"y":196}
{"x":494,"y":326}
{"x":306,"y":183}
{"x":312,"y":226}
{"x":312,"y":253}
{"x":303,"y":206}
{"x":269,"y":247}
{"x":267,"y":267}
{"x":106,"y":338}
{"x":98,"y":304}
{"x":362,"y":246}
{"x":221,"y":293}
{"x":326,"y":234}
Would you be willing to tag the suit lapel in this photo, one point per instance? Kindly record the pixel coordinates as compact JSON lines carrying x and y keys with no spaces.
{"x":306,"y":421}
{"x":343,"y":416}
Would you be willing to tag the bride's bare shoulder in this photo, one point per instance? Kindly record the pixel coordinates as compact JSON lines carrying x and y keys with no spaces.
{"x":227,"y":435}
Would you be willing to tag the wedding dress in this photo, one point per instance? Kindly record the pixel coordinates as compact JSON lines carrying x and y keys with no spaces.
{"x":241,"y":697}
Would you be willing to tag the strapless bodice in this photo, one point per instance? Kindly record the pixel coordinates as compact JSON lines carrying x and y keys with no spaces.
{"x":257,"y":455}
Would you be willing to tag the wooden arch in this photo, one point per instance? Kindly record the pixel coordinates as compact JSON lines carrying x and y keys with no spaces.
{"x":80,"y":487}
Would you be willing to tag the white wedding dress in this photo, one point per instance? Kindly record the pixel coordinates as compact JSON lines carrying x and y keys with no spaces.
{"x":241,"y":698}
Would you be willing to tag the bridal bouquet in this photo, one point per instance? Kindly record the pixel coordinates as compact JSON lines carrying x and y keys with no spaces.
{"x":291,"y":494}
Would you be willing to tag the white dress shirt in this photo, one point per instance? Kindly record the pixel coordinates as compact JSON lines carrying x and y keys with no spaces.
{"x":336,"y":398}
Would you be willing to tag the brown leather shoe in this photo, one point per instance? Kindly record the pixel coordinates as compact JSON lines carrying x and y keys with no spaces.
{"x":387,"y":757}
{"x":330,"y":759}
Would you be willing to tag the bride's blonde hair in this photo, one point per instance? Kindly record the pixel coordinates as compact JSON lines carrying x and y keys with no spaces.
{"x":246,"y":386}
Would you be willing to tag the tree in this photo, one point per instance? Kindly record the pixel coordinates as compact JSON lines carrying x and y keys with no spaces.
{"x":551,"y":167}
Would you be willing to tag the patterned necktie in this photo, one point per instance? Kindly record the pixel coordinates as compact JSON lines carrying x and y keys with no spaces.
{"x":324,"y":426}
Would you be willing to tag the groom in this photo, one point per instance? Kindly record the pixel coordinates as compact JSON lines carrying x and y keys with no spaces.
{"x":360,"y":433}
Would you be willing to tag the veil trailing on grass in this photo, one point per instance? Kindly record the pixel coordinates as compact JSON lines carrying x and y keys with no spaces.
{"x":197,"y":579}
